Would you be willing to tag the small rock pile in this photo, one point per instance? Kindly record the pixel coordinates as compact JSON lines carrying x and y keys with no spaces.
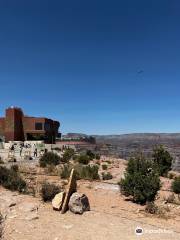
{"x":76,"y":202}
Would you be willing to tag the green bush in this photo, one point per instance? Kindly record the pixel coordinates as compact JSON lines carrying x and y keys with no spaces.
{"x":49,"y":191}
{"x":98,"y":157}
{"x":89,"y":172}
{"x":163,"y":159}
{"x":104,"y":166}
{"x":176,"y":185}
{"x":82,"y":171}
{"x":11,"y":179}
{"x":83,"y":159}
{"x":107,"y":176}
{"x":90,"y":154}
{"x":141,"y":180}
{"x":57,"y":149}
{"x":49,"y":158}
{"x":65,"y":171}
{"x":68,"y":154}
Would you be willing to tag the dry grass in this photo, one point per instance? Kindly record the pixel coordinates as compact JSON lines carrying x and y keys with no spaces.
{"x":159,"y":211}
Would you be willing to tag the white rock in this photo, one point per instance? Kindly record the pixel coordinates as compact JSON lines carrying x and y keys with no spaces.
{"x":57,"y":201}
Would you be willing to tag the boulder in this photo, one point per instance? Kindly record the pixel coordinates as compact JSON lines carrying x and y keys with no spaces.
{"x":57,"y":201}
{"x":79,"y":203}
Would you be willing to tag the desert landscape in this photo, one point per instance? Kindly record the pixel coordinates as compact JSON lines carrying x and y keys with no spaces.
{"x":89,"y":120}
{"x":111,"y":215}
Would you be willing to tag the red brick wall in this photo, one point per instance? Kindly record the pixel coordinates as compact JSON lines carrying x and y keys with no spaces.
{"x":13,"y":125}
{"x":29,"y":123}
{"x":2,"y":126}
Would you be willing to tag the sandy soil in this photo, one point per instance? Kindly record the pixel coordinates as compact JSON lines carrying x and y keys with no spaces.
{"x":111,"y":216}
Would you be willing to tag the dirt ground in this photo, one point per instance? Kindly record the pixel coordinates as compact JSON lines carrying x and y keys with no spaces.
{"x":111,"y":215}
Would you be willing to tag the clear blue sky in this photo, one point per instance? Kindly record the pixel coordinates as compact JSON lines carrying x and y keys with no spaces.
{"x":98,"y":66}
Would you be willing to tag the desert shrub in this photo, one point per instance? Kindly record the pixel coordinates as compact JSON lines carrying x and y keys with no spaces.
{"x":51,"y":170}
{"x":163,"y":159}
{"x":107,"y":176}
{"x":170,"y":199}
{"x":49,"y":158}
{"x":49,"y":191}
{"x":151,"y":207}
{"x":159,"y":211}
{"x":83,"y":159}
{"x":141,"y":180}
{"x":108,"y":162}
{"x":57,"y":149}
{"x":97,"y":157}
{"x":89,"y":172}
{"x":97,"y":162}
{"x":104,"y":166}
{"x":90,"y":154}
{"x":65,"y":171}
{"x":68,"y":154}
{"x":82,"y":171}
{"x":176,"y":185}
{"x":11,"y":179}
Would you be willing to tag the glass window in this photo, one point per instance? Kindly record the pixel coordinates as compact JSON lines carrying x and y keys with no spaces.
{"x":38,"y":126}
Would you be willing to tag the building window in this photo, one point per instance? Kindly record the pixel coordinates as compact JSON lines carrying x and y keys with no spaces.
{"x":38,"y":126}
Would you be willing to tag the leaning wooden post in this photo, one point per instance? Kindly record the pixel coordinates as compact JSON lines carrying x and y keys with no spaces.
{"x":71,"y":188}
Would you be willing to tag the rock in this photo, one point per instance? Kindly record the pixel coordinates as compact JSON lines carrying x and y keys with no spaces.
{"x":79,"y":203}
{"x":28,"y":207}
{"x":31,"y":217}
{"x":71,"y":188}
{"x":57,"y":201}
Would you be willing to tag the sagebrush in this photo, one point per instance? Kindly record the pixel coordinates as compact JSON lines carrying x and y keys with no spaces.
{"x":49,"y":191}
{"x":11,"y":179}
{"x":141,"y":181}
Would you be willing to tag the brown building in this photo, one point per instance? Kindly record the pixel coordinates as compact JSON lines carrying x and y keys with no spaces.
{"x":15,"y":126}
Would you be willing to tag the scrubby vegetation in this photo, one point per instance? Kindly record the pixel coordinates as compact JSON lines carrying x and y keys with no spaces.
{"x":151,"y":207}
{"x":104,"y":166}
{"x":141,"y":180}
{"x":162,"y":159}
{"x":49,"y":191}
{"x":107,"y":176}
{"x":11,"y":179}
{"x":49,"y":158}
{"x":65,"y":171}
{"x":83,"y":159}
{"x":68,"y":154}
{"x":159,"y":211}
{"x":176,"y":185}
{"x":170,"y":199}
{"x":88,"y":172}
{"x":57,"y":149}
